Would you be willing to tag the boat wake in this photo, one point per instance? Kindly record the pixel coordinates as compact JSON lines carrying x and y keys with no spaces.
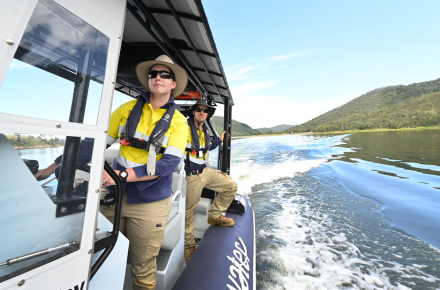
{"x":247,"y":174}
{"x":313,"y":233}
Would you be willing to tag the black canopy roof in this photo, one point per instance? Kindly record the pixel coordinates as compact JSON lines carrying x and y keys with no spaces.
{"x":179,"y":29}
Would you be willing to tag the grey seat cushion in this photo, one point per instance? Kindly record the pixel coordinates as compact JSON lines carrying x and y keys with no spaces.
{"x":203,"y":206}
{"x":172,"y":233}
{"x":177,"y":182}
{"x":173,"y":212}
{"x":110,"y":155}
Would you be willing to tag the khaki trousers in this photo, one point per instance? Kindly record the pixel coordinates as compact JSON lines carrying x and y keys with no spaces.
{"x":211,"y":179}
{"x":144,"y":225}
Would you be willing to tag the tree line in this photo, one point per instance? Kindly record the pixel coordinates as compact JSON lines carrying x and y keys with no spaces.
{"x":363,"y":112}
{"x":29,"y":141}
{"x":416,"y":112}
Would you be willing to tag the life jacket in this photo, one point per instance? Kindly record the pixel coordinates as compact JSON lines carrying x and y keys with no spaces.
{"x":195,"y":143}
{"x":155,"y":142}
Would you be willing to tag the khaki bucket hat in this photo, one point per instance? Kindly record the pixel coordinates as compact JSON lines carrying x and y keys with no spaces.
{"x":143,"y":68}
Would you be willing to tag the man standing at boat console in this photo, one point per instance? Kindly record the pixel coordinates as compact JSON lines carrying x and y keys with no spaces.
{"x":145,"y":164}
{"x":199,"y":175}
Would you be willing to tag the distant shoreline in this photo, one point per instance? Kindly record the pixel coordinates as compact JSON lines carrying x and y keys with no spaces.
{"x":36,"y":147}
{"x":343,"y":132}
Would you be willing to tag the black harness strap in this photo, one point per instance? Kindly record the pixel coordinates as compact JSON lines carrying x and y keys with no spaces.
{"x":159,"y":130}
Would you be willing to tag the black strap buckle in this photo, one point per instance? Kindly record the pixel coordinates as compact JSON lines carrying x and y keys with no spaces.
{"x":139,"y":144}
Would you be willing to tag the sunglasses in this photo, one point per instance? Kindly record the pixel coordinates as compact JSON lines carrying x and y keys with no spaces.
{"x":198,"y":110}
{"x":163,"y":74}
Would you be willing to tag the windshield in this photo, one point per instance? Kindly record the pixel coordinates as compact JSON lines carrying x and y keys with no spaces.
{"x":57,"y":74}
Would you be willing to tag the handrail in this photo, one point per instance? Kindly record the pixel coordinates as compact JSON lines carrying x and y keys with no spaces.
{"x":109,"y":242}
{"x":38,"y":254}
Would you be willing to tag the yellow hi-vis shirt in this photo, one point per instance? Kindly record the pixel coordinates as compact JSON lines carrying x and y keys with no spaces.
{"x":130,"y":157}
{"x":198,"y":159}
{"x":175,"y":136}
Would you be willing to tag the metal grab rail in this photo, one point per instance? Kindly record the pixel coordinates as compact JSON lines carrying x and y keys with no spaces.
{"x":108,"y":242}
{"x":38,"y":254}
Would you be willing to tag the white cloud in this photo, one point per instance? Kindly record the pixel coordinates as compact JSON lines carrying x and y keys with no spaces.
{"x":288,"y":56}
{"x":259,"y":110}
{"x":250,"y":87}
{"x":249,"y":69}
{"x":268,"y":111}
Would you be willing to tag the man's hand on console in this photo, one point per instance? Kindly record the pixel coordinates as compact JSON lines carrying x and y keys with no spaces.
{"x":43,"y":174}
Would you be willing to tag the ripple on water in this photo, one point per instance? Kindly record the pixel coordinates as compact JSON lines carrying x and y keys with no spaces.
{"x":314,"y":234}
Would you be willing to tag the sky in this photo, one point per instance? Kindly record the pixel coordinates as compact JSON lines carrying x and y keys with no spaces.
{"x":286,"y":62}
{"x":290,"y":61}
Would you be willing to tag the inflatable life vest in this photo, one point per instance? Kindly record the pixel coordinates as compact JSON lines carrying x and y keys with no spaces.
{"x":195,"y":142}
{"x":155,"y":142}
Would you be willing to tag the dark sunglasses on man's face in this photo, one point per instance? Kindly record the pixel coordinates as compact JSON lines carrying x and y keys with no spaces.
{"x":198,"y":110}
{"x":163,"y":74}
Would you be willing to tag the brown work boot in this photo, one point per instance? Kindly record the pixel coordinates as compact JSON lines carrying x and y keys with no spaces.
{"x":188,"y":253}
{"x":221,"y":221}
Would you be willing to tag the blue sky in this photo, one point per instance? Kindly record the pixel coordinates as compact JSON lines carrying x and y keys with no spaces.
{"x":290,"y":61}
{"x":286,"y":61}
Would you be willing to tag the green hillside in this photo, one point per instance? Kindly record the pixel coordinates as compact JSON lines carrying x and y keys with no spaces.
{"x":389,"y":107}
{"x":238,"y":129}
{"x":275,"y":128}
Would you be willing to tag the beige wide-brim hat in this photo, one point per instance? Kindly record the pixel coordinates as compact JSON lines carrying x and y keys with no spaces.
{"x":143,"y":68}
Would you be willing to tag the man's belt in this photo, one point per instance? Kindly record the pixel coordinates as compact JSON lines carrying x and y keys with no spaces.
{"x":196,"y":172}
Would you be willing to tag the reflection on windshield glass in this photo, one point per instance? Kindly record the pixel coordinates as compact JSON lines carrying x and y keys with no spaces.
{"x":57,"y":73}
{"x":58,"y":68}
{"x":41,"y":224}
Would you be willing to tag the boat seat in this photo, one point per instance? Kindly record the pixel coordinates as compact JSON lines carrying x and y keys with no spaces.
{"x":174,"y":226}
{"x":110,"y":155}
{"x":172,"y":232}
{"x":173,"y":212}
{"x":203,"y":206}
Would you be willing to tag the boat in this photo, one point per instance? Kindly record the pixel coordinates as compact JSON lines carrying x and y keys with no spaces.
{"x":61,"y":62}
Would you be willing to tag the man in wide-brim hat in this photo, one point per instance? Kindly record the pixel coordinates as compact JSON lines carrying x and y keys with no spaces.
{"x":199,"y":175}
{"x":148,"y":194}
{"x":145,"y":167}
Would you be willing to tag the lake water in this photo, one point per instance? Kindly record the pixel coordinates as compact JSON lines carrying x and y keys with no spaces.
{"x":359,"y":211}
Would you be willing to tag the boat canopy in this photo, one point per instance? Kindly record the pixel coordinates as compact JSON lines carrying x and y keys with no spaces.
{"x":179,"y":29}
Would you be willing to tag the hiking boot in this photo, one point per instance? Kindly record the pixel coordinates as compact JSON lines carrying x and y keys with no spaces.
{"x":221,"y":221}
{"x":188,"y":253}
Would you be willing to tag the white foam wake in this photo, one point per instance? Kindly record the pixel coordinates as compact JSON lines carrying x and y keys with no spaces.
{"x":318,"y":256}
{"x":247,"y":173}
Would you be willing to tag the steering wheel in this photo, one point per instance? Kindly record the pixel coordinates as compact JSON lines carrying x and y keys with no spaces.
{"x":82,"y":187}
{"x":79,"y":166}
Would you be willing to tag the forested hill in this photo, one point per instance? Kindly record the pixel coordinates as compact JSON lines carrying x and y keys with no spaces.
{"x":375,"y":110}
{"x":238,"y":129}
{"x":275,"y":129}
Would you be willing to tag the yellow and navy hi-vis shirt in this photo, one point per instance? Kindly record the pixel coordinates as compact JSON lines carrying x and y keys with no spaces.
{"x":198,"y":159}
{"x":130,"y":157}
